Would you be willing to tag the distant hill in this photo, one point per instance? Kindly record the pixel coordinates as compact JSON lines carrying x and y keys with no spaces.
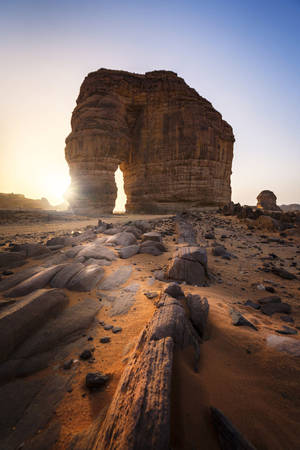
{"x":19,"y":201}
{"x":291,"y":207}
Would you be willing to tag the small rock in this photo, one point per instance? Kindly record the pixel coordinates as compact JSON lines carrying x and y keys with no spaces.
{"x":270,"y":308}
{"x":151,"y":295}
{"x":105,"y":340}
{"x":108,"y":327}
{"x":174,"y":290}
{"x":7,"y":272}
{"x":95,"y":380}
{"x":252,"y":304}
{"x":67,"y":365}
{"x":271,"y":299}
{"x":270,"y":289}
{"x":283,"y":273}
{"x":86,"y":354}
{"x":287,"y":319}
{"x":260,"y":287}
{"x":116,"y":330}
{"x":287,"y":330}
{"x":239,"y":320}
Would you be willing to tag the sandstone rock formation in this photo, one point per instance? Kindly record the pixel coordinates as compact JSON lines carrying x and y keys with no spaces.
{"x":19,"y":201}
{"x":267,"y":200}
{"x":173,"y":147}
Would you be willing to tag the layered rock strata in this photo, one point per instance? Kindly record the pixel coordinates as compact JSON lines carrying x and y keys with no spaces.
{"x":173,"y":147}
{"x":267,"y":200}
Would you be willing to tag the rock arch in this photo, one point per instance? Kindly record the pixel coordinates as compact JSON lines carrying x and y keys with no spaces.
{"x":173,"y":147}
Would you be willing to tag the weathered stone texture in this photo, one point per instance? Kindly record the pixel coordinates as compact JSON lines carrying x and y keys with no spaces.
{"x":173,"y":147}
{"x":267,"y":200}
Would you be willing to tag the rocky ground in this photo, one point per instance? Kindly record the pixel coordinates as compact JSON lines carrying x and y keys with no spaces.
{"x":95,"y":355}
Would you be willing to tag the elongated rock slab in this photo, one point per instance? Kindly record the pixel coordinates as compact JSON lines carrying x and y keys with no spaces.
{"x":17,"y":278}
{"x":61,"y":329}
{"x":189,"y":264}
{"x":37,"y":281}
{"x":61,"y":279}
{"x":116,"y":279}
{"x":26,"y":316}
{"x":139,"y":415}
{"x":86,"y":279}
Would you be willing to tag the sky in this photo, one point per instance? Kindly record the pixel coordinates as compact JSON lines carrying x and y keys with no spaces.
{"x":243,"y":56}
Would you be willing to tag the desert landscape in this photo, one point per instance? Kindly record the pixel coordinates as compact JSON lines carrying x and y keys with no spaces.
{"x":149,"y":270}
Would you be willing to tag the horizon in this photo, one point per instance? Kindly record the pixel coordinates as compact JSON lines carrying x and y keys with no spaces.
{"x":48,"y":50}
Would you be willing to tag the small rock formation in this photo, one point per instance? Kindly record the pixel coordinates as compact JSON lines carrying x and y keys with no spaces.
{"x":20,"y":202}
{"x":173,"y":147}
{"x":267,"y":200}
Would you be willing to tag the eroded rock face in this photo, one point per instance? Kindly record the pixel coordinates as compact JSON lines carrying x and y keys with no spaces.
{"x":267,"y":200}
{"x":173,"y":147}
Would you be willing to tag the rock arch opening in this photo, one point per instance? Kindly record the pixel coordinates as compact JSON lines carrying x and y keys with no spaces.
{"x":120,"y":204}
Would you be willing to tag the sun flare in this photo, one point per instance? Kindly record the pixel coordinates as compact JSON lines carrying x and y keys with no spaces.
{"x":56,"y":185}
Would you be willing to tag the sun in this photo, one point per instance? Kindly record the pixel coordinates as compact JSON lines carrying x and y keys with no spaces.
{"x":55,"y":186}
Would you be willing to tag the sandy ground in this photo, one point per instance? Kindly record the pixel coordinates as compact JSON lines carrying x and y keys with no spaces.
{"x":255,"y":386}
{"x":21,"y":232}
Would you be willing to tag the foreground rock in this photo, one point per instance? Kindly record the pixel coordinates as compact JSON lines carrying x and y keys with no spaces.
{"x":10,"y":260}
{"x":26,"y":413}
{"x":140,"y":418}
{"x":60,"y":330}
{"x":86,"y":279}
{"x":229,"y":437}
{"x":189,"y":264}
{"x":37,"y":281}
{"x":19,"y":277}
{"x":118,"y":132}
{"x":25,"y":317}
{"x":198,"y":309}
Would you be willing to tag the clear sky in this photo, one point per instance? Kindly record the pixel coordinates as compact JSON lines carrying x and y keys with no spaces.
{"x":243,"y":56}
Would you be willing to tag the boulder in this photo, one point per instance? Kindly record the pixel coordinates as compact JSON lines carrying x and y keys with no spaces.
{"x":189,"y":264}
{"x":26,"y":316}
{"x":98,"y":262}
{"x":127,"y":252}
{"x":31,"y":249}
{"x":19,"y":277}
{"x":198,"y":308}
{"x":152,"y":236}
{"x":37,"y":281}
{"x":61,"y":279}
{"x":174,"y":290}
{"x":9,"y":260}
{"x":152,"y":248}
{"x":86,"y":279}
{"x":134,"y":230}
{"x":97,"y":251}
{"x":63,"y":329}
{"x":123,"y":238}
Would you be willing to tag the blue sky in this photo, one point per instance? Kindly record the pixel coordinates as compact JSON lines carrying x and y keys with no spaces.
{"x":242,"y":56}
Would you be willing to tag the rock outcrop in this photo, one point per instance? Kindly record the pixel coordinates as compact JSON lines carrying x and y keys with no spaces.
{"x":19,"y":201}
{"x":267,"y":200}
{"x":173,"y":147}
